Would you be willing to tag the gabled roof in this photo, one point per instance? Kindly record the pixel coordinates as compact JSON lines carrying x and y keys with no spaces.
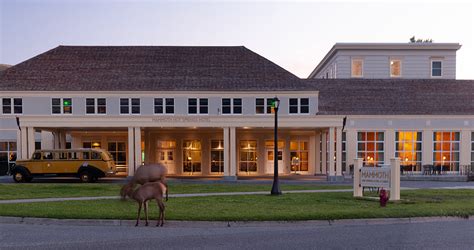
{"x":381,"y":46}
{"x":394,"y":97}
{"x":147,"y":68}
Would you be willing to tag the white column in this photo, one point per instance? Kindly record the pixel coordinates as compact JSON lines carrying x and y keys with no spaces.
{"x":131,"y":152}
{"x":317,"y":148}
{"x":233,"y":152}
{"x":389,"y":147}
{"x":357,"y":187}
{"x":465,"y":148}
{"x":18,"y":145}
{"x":427,"y":147}
{"x":311,"y":157}
{"x":323,"y":153}
{"x":331,"y":152}
{"x":62,"y":139}
{"x":31,"y":142}
{"x":56,"y":139}
{"x":395,"y":179}
{"x":138,"y":147}
{"x":351,"y":146}
{"x":24,"y":143}
{"x":47,"y":140}
{"x":226,"y":152}
{"x":338,"y":151}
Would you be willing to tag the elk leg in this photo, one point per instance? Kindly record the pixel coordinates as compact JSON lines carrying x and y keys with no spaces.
{"x":139,"y":210}
{"x":161,"y":219}
{"x":146,"y":213}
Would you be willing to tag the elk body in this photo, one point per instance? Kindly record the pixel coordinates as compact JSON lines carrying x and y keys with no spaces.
{"x":143,"y":194}
{"x":148,"y":173}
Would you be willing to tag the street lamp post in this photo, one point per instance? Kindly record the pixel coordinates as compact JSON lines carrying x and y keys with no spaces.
{"x":276,"y":185}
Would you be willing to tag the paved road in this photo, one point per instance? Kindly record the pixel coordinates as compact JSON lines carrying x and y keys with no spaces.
{"x":457,"y":234}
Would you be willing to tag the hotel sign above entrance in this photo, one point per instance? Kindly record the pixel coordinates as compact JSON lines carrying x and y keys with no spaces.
{"x":375,"y":177}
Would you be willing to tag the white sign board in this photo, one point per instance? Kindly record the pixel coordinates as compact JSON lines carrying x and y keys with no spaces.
{"x":375,"y":177}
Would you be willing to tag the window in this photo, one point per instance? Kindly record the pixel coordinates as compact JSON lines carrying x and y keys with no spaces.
{"x":357,"y":68}
{"x":7,"y":156}
{"x":192,"y":156}
{"x":217,"y":156}
{"x":370,"y":147}
{"x":395,"y":68}
{"x":96,"y":106}
{"x":118,"y":150}
{"x":408,"y":149}
{"x":12,"y":106}
{"x":472,"y":148}
{"x":299,"y":155}
{"x":129,"y":104}
{"x":446,"y":150}
{"x":436,"y":68}
{"x":61,"y":105}
{"x":299,"y":106}
{"x":261,"y":107}
{"x":231,"y":106}
{"x":248,"y":156}
{"x":169,"y":102}
{"x":198,"y":106}
{"x":158,"y":105}
{"x":344,"y":153}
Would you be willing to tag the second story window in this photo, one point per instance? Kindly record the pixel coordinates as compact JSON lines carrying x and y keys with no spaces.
{"x":96,"y":106}
{"x":299,"y":106}
{"x":129,"y":104}
{"x":12,"y":106}
{"x":198,"y":106}
{"x":357,"y":68}
{"x":263,"y":106}
{"x":164,"y":106}
{"x":231,"y":106}
{"x":436,"y":68}
{"x":395,"y":68}
{"x":61,"y":105}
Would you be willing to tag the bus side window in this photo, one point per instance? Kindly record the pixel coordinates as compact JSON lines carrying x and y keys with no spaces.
{"x":37,"y":156}
{"x":47,"y":155}
{"x":73,"y":155}
{"x":96,"y":156}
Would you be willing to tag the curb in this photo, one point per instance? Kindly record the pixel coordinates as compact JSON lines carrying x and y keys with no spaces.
{"x":224,"y":224}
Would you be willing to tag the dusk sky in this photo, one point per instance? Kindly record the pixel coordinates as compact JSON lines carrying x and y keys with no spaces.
{"x":295,"y":35}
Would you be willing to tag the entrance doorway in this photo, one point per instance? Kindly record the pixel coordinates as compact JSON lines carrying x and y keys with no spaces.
{"x":166,"y":157}
{"x":270,"y":161}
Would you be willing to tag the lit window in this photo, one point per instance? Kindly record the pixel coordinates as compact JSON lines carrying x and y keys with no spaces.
{"x":248,"y":156}
{"x":61,"y":106}
{"x":299,"y":155}
{"x":446,"y":150}
{"x":436,"y":68}
{"x":370,"y":147}
{"x":217,"y":156}
{"x":192,"y":156}
{"x":408,"y":149}
{"x":357,"y":67}
{"x":395,"y":68}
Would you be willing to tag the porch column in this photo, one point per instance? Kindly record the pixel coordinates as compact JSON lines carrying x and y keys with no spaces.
{"x":31,"y":142}
{"x":427,"y":147}
{"x":323,"y":153}
{"x":131,"y":152}
{"x":312,"y":156}
{"x":351,"y":148}
{"x":317,"y":148}
{"x":56,"y":139}
{"x":226,"y":153}
{"x":339,"y":153}
{"x":233,"y":152}
{"x":19,"y":147}
{"x":389,"y":147}
{"x":332,"y":173}
{"x":62,"y":139}
{"x":465,"y":148}
{"x":138,"y":147}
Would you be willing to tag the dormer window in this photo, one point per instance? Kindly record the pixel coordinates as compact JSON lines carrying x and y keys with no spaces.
{"x":357,"y":68}
{"x":436,"y":68}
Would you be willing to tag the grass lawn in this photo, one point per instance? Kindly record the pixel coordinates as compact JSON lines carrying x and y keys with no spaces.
{"x":48,"y":190}
{"x":304,"y":206}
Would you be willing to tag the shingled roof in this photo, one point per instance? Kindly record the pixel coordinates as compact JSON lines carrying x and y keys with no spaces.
{"x":394,"y":97}
{"x":148,"y":68}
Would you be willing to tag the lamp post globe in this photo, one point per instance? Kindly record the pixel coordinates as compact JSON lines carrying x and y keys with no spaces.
{"x":276,"y":184}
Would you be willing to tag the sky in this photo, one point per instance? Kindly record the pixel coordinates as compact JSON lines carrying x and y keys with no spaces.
{"x":294,"y":34}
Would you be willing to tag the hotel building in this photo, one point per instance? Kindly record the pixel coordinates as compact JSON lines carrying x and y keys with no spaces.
{"x":206,"y":111}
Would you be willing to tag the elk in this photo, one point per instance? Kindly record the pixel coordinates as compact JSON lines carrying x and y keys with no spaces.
{"x":144,"y":193}
{"x":148,"y":173}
